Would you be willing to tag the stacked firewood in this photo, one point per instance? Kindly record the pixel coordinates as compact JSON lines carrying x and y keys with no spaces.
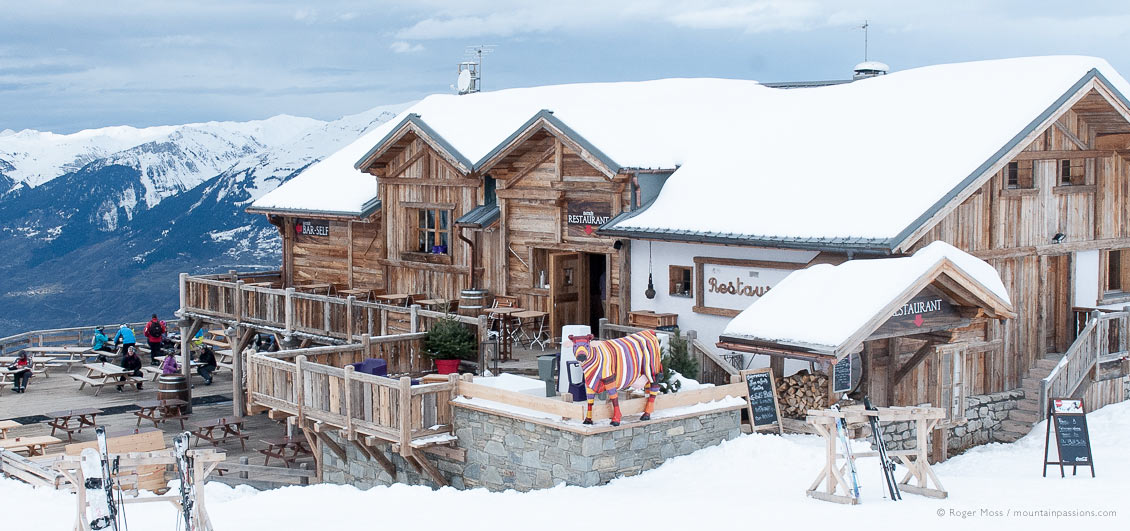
{"x":800,"y":392}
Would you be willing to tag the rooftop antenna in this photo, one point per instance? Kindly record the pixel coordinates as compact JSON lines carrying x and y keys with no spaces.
{"x":473,"y":82}
{"x":866,"y":24}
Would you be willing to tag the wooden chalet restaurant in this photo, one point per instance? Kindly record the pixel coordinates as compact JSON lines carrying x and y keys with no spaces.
{"x":979,"y":269}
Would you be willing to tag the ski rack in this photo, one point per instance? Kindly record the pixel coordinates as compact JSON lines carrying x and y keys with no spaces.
{"x":204,"y":462}
{"x":917,"y":464}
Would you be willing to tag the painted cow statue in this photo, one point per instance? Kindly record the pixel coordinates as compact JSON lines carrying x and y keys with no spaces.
{"x":614,"y":364}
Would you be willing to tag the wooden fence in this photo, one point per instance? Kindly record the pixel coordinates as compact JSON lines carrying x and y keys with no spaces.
{"x":78,"y":335}
{"x":315,"y":316}
{"x":392,"y":410}
{"x":19,"y":467}
{"x":1104,"y":340}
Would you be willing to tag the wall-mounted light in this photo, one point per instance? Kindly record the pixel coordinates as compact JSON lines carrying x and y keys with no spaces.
{"x":617,"y":245}
{"x":1058,"y":238}
{"x":650,"y":291}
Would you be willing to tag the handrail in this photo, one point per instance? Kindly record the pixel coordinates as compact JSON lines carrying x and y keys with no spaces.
{"x":1084,"y":354}
{"x":68,"y":334}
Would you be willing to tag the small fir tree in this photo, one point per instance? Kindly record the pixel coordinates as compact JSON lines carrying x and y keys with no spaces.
{"x":677,"y":359}
{"x":449,"y":339}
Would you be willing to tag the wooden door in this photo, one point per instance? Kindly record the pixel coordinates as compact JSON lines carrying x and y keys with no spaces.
{"x":1058,"y":327}
{"x":564,"y":295}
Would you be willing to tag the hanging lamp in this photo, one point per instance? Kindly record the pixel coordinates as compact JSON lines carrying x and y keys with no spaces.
{"x":650,"y":291}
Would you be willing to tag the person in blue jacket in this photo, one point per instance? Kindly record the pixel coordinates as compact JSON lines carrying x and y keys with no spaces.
{"x":101,"y":344}
{"x":125,"y":337}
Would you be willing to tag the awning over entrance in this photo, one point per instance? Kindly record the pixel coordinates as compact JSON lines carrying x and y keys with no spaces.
{"x":826,"y":312}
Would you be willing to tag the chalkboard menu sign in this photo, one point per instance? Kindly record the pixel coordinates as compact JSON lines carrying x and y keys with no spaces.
{"x":1073,"y":441}
{"x":763,"y":410}
{"x":841,"y":375}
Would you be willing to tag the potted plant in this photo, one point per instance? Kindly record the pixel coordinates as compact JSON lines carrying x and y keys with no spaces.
{"x":448,"y":342}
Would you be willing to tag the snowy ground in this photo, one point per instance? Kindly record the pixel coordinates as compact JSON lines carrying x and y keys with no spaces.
{"x":754,"y":482}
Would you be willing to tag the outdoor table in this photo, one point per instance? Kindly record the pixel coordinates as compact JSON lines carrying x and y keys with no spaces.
{"x":314,"y":287}
{"x":6,"y":425}
{"x":216,"y":343}
{"x":360,"y":294}
{"x":38,"y":363}
{"x":32,"y":445}
{"x":72,"y":420}
{"x":394,"y":299}
{"x":278,"y":448}
{"x":439,"y":305}
{"x":540,"y":336}
{"x":57,"y":350}
{"x":228,"y":429}
{"x":161,"y":411}
{"x":99,"y":375}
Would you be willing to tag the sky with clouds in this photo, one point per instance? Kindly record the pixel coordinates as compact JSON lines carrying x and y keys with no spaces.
{"x":71,"y":65}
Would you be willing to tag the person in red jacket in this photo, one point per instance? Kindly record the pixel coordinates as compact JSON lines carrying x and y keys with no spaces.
{"x":154,"y":334}
{"x":21,"y":372}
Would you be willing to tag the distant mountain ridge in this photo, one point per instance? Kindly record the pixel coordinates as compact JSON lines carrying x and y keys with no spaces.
{"x":96,"y":225}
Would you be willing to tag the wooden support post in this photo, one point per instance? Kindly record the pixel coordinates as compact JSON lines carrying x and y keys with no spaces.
{"x":777,"y":366}
{"x":483,"y":334}
{"x":414,"y":318}
{"x":349,"y":301}
{"x":333,"y":446}
{"x":315,"y":448}
{"x":289,"y":314}
{"x":405,"y":406}
{"x":186,"y":335}
{"x":299,"y":389}
{"x":377,"y":456}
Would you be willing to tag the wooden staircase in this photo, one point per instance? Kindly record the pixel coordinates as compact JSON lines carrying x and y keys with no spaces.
{"x":1021,"y":420}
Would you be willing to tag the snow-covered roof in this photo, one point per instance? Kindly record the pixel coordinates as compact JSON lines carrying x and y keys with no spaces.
{"x":788,"y":160}
{"x":827,"y":309}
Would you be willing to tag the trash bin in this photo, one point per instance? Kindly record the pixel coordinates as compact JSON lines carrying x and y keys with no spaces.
{"x":576,"y":378}
{"x":545,"y":373}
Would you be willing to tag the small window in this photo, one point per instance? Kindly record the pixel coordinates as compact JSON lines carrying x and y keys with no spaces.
{"x":539,"y":269}
{"x":1117,"y":271}
{"x":1018,"y":175}
{"x":433,"y":230}
{"x":679,"y":279}
{"x":1072,"y":172}
{"x":489,"y":187}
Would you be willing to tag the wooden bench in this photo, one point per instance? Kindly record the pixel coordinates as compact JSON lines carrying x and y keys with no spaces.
{"x":100,"y":383}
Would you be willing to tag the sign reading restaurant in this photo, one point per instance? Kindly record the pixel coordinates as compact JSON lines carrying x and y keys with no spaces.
{"x":728,"y":286}
{"x":584,"y":217}
{"x":314,"y":227}
{"x":929,"y":309}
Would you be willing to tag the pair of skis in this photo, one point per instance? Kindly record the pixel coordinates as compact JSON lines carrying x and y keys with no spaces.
{"x":98,"y":482}
{"x":885,"y":461}
{"x":185,"y":475}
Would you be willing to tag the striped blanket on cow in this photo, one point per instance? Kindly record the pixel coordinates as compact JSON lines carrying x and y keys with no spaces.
{"x":617,"y":363}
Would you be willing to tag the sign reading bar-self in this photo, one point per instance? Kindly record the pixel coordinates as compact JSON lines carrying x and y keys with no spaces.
{"x":312,"y":227}
{"x":584,"y":217}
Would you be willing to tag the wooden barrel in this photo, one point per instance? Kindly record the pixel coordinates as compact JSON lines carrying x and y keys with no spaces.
{"x":170,"y":386}
{"x":472,"y":301}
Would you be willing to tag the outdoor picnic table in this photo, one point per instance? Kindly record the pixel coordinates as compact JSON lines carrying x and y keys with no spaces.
{"x":228,"y":429}
{"x":314,"y":287}
{"x":161,"y":411}
{"x":38,"y":363}
{"x":99,"y":375}
{"x":6,"y":425}
{"x":360,"y":293}
{"x":394,"y":299}
{"x":72,"y":420}
{"x":215,"y":343}
{"x":57,"y":350}
{"x":32,"y":445}
{"x":279,"y":447}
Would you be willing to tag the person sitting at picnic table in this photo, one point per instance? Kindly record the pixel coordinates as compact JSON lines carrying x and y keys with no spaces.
{"x":101,"y":343}
{"x":131,"y":362}
{"x":154,"y":334}
{"x":126,"y":338}
{"x":207,"y":365}
{"x":21,"y":372}
{"x":170,"y":366}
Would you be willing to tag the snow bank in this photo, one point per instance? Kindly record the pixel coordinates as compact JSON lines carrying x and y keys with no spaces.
{"x":754,"y":481}
{"x":824,"y":305}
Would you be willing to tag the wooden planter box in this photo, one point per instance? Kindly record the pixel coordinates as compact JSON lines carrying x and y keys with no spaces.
{"x":648,"y":319}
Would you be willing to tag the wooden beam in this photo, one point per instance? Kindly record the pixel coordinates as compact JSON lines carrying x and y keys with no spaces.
{"x":469,"y":182}
{"x":333,"y":446}
{"x":919,"y":355}
{"x":407,"y":164}
{"x":377,"y":456}
{"x":1071,"y":136}
{"x":430,"y":469}
{"x":545,"y":156}
{"x":1058,"y":154}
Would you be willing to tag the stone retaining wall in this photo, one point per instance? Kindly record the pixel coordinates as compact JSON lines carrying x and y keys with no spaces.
{"x":984,"y":414}
{"x":507,"y":453}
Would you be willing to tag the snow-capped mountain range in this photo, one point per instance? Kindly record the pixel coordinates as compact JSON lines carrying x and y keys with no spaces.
{"x":86,"y":217}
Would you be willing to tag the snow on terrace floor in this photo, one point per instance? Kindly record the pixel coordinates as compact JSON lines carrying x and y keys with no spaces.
{"x":755,"y":481}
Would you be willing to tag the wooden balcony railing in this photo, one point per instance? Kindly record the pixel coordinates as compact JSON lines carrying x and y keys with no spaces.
{"x":1104,"y":338}
{"x":229,"y":299}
